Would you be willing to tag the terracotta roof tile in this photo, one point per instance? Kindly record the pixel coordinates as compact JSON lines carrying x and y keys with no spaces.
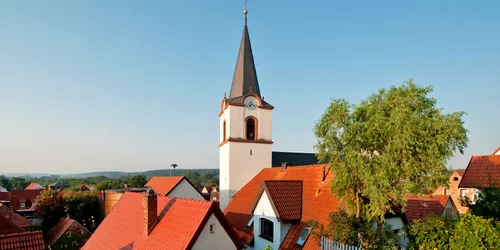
{"x":286,"y":198}
{"x":22,"y":241}
{"x":420,"y":207}
{"x":14,"y":217}
{"x":33,"y":186}
{"x":7,"y":227}
{"x":179,"y":222}
{"x":317,"y":201}
{"x":164,"y":184}
{"x":16,"y":197}
{"x":482,"y":172}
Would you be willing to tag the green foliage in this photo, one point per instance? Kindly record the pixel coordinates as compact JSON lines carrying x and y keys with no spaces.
{"x":392,"y":144}
{"x":487,"y":204}
{"x":49,"y":207}
{"x":17,"y":183}
{"x":83,"y":206}
{"x":137,"y":181}
{"x":468,"y":232}
{"x":268,"y":247}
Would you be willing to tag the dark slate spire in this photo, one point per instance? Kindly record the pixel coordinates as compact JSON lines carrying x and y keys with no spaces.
{"x":245,"y":75}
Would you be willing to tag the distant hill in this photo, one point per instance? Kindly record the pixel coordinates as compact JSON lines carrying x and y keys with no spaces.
{"x":118,"y":174}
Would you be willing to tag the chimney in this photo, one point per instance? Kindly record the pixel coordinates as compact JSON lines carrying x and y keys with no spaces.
{"x":284,"y":166}
{"x":323,"y":173}
{"x":149,"y":202}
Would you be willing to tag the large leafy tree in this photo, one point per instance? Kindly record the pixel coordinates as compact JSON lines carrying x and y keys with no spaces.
{"x":394,"y":143}
{"x":137,"y":180}
{"x":84,"y":207}
{"x":49,"y":207}
{"x":487,"y":204}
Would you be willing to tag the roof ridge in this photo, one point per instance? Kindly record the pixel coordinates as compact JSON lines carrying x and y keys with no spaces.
{"x":21,"y":233}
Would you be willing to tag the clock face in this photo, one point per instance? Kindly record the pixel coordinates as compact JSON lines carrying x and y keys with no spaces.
{"x":251,"y":103}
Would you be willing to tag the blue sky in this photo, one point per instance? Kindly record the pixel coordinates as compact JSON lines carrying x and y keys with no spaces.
{"x":136,"y":85}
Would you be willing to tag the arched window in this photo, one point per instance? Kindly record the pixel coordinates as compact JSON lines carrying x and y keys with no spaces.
{"x":224,"y":131}
{"x":266,"y":229}
{"x":251,"y":131}
{"x":455,"y":178}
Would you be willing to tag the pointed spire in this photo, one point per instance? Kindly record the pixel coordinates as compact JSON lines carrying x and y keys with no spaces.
{"x":245,"y":75}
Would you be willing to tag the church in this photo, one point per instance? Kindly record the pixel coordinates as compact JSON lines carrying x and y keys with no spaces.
{"x":245,"y":146}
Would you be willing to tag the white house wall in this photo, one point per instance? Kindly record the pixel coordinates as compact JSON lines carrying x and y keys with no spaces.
{"x":186,"y":190}
{"x":218,"y":240}
{"x":265,"y":210}
{"x":398,"y":224}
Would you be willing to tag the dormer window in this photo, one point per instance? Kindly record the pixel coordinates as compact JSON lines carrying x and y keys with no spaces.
{"x":303,"y":237}
{"x":250,"y":128}
{"x":266,"y":229}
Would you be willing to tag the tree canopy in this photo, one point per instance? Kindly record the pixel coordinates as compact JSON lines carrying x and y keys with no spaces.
{"x":392,"y":144}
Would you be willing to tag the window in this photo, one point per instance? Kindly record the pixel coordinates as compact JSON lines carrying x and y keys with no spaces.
{"x":446,"y":191}
{"x":75,"y":244}
{"x":266,"y":229}
{"x":23,"y":204}
{"x":212,"y":228}
{"x":463,"y":192}
{"x":250,"y":128}
{"x":224,"y":131}
{"x":68,"y":233}
{"x":303,"y":237}
{"x":455,"y":178}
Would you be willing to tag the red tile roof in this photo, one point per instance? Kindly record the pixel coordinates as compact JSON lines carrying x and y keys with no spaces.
{"x":317,"y":201}
{"x":482,"y":172}
{"x":16,"y":197}
{"x":55,"y":233}
{"x":24,"y":241}
{"x":164,"y":184}
{"x":7,"y":227}
{"x":285,"y":197}
{"x":179,"y":224}
{"x":14,"y":217}
{"x":420,"y":207}
{"x":33,"y":186}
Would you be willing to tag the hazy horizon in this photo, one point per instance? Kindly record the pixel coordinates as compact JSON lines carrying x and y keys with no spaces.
{"x":132,"y":86}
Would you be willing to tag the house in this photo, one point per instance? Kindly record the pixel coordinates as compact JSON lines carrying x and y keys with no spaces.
{"x":22,"y":240}
{"x":20,"y":200}
{"x":14,"y":217}
{"x":150,"y":221}
{"x":67,"y":233}
{"x":84,"y":187}
{"x":175,"y":186}
{"x":58,"y":185}
{"x":275,"y":206}
{"x":34,"y":186}
{"x":482,"y":172}
{"x":457,"y":194}
{"x":8,"y":227}
{"x":420,"y":207}
{"x":2,"y":189}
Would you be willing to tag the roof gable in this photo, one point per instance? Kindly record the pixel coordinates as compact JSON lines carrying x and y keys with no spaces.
{"x":420,"y":207}
{"x":55,"y":232}
{"x":164,"y":184}
{"x":482,"y":172}
{"x":285,"y":197}
{"x":7,"y":227}
{"x":34,"y":185}
{"x":13,"y":217}
{"x":179,"y":223}
{"x":497,"y":152}
{"x":317,"y":201}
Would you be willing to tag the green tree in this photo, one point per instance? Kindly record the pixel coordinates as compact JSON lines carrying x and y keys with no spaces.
{"x":487,"y":204}
{"x":137,"y":181}
{"x":394,"y":143}
{"x":17,"y":183}
{"x":49,"y":207}
{"x":467,"y":232}
{"x":4,"y":181}
{"x":84,"y":207}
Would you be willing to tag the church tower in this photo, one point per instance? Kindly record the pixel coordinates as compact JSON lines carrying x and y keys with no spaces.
{"x":245,"y":127}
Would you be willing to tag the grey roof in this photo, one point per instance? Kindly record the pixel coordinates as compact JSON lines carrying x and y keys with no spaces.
{"x":245,"y":75}
{"x":294,"y":159}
